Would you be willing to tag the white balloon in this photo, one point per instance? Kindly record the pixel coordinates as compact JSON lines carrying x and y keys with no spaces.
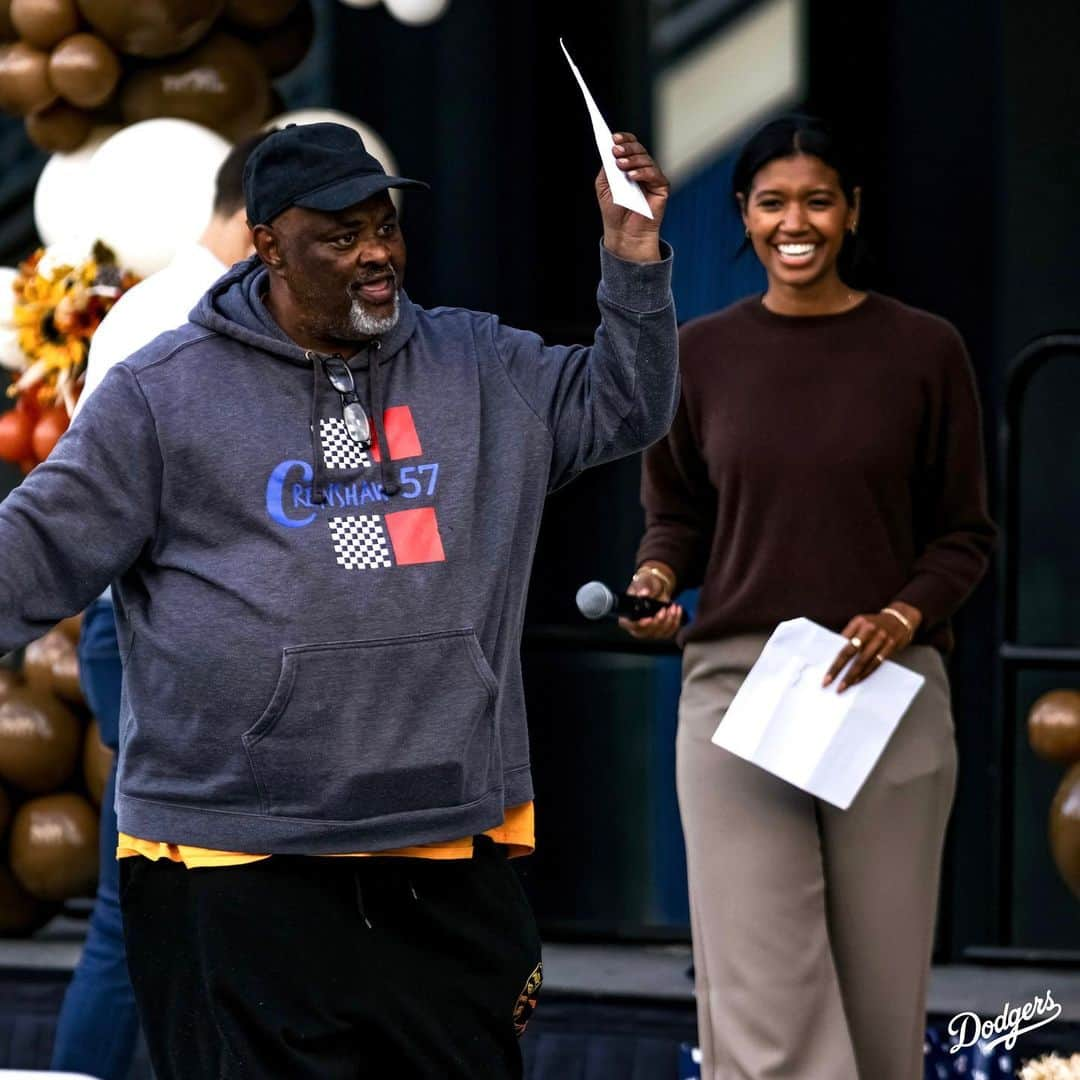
{"x":11,"y":355}
{"x":63,"y":255}
{"x":374,"y":144}
{"x":417,"y":12}
{"x":152,"y":189}
{"x":7,"y":296}
{"x":62,"y":207}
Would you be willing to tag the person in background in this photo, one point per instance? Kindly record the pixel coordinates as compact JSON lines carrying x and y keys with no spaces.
{"x":98,"y":1023}
{"x":826,"y":461}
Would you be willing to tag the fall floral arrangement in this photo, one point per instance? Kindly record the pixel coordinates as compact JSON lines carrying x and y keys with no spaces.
{"x":58,"y":301}
{"x":1052,"y":1067}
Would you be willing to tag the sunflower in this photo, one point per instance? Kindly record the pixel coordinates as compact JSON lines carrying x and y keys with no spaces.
{"x":58,"y":306}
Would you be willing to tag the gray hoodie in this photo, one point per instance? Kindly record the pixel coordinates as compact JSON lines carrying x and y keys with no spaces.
{"x":321,"y":644}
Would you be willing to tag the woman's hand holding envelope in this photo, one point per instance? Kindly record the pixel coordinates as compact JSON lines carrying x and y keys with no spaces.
{"x":872,"y":639}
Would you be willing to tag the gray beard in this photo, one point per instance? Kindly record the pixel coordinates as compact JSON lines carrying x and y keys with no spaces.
{"x":363,"y":324}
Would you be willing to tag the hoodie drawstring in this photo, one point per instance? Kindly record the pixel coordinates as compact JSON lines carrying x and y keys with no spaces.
{"x":318,"y":482}
{"x":360,"y":904}
{"x":362,"y":911}
{"x":387,"y":476}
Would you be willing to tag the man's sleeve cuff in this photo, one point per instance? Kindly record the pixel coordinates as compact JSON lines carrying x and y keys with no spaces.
{"x":636,"y":286}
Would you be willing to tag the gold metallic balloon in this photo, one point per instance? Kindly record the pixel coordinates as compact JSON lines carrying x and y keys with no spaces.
{"x":54,"y":846}
{"x":220,"y":84}
{"x":1054,"y":726}
{"x":258,"y":14}
{"x":44,"y":22}
{"x":24,"y":79}
{"x":151,"y":28}
{"x":1065,"y":829}
{"x":97,"y":762}
{"x":40,"y":740}
{"x":60,"y":128}
{"x":84,"y":70}
{"x":20,"y":913}
{"x":283,"y":47}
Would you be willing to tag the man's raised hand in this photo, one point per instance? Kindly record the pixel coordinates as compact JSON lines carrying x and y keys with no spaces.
{"x":627,"y":234}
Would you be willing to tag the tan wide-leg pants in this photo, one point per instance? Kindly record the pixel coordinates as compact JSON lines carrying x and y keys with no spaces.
{"x":812,"y":926}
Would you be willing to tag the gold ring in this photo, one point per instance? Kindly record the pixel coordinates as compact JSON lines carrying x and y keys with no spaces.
{"x":879,"y":658}
{"x":855,"y":643}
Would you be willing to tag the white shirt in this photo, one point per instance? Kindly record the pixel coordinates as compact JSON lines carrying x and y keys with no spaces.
{"x":160,"y":302}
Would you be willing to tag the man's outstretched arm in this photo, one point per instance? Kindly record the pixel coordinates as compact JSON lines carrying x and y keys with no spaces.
{"x":83,"y":516}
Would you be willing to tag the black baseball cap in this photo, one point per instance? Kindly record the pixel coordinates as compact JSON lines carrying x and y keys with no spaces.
{"x":319,"y":166}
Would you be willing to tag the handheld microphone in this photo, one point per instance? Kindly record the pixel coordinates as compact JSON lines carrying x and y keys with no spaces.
{"x":595,"y":600}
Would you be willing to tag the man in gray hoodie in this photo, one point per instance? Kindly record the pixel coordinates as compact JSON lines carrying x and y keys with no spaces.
{"x":319,"y":505}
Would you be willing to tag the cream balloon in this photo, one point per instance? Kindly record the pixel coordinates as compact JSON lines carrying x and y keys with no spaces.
{"x":152,"y":186}
{"x":63,"y":210}
{"x":417,"y":12}
{"x":11,"y":355}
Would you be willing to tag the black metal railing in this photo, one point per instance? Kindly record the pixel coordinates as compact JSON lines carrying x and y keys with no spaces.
{"x":1016,"y":655}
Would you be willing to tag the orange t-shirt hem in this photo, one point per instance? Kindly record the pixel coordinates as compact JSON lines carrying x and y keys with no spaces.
{"x":517,"y":833}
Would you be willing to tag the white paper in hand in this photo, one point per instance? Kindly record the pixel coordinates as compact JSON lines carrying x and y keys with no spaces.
{"x":624,"y":191}
{"x":785,"y":721}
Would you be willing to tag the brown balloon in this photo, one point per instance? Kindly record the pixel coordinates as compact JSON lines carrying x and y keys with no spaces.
{"x":283,"y":47}
{"x":97,"y":762}
{"x":7,"y":28}
{"x":1065,"y":829}
{"x":66,"y":681}
{"x":60,"y":128}
{"x":8,"y":681}
{"x":1054,"y":726}
{"x":72,"y":627}
{"x":40,"y":740}
{"x":44,"y":22}
{"x":51,"y":664}
{"x":220,"y":84}
{"x":5,"y":811}
{"x":24,"y":79}
{"x":20,"y":913}
{"x":151,"y":28}
{"x":54,"y":846}
{"x":84,"y":70}
{"x":258,"y":14}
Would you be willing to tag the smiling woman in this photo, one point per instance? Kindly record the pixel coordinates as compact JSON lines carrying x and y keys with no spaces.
{"x":799,"y":202}
{"x":825,"y":462}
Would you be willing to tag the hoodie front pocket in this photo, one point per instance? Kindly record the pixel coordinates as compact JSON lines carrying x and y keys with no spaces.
{"x":361,"y":729}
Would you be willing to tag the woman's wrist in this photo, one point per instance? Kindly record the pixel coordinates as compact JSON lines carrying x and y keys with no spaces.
{"x":657,"y":573}
{"x":907,"y":616}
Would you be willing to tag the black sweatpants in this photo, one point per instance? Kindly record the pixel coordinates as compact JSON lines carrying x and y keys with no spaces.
{"x":304,"y":967}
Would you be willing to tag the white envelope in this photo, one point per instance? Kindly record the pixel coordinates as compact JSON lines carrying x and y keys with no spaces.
{"x":785,"y":721}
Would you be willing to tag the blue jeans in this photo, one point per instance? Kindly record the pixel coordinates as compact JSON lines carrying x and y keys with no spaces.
{"x":98,"y":1024}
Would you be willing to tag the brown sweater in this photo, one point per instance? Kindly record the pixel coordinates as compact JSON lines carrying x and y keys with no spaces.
{"x":821,"y":466}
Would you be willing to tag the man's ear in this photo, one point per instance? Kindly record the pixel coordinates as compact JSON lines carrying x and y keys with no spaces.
{"x":268,"y":247}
